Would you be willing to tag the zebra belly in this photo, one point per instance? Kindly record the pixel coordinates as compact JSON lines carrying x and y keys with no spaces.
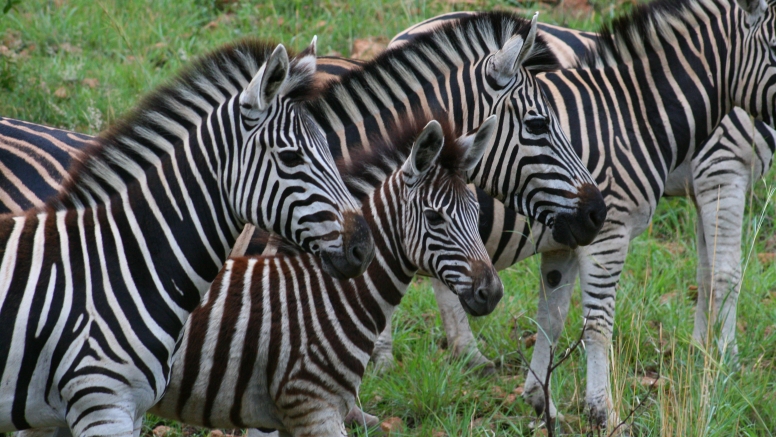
{"x":680,"y":181}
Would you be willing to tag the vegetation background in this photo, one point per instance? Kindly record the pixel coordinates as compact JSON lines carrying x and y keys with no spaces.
{"x":80,"y":64}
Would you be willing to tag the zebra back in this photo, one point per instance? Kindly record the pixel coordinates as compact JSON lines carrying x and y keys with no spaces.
{"x":34,"y":160}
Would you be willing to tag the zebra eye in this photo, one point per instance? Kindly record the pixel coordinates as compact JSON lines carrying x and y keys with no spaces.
{"x":433,"y":218}
{"x":537,"y":126}
{"x":291,"y":158}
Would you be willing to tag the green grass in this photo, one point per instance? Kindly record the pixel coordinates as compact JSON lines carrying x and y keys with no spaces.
{"x":53,"y":51}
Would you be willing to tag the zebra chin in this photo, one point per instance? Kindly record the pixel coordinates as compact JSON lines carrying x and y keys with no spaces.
{"x":485,"y":292}
{"x":355,"y":254}
{"x":581,"y":226}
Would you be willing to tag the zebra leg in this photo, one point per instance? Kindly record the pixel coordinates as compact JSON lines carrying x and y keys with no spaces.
{"x":357,"y":417}
{"x":703,"y":275}
{"x":382,"y":355}
{"x":720,"y":221}
{"x":320,"y":422}
{"x":600,"y":266}
{"x":559,"y":271}
{"x":460,"y":339}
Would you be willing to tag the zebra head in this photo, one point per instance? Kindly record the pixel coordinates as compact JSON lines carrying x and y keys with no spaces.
{"x":756,"y":60}
{"x":290,"y":184}
{"x":532,"y":167}
{"x":441,"y":236}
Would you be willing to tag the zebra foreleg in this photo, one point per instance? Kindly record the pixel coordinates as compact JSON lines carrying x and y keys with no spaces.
{"x":382,"y":355}
{"x":600,"y":266}
{"x":66,"y":432}
{"x":559,"y":272}
{"x":460,"y":340}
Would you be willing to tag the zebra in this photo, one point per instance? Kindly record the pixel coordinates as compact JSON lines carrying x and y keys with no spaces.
{"x":278,"y":345}
{"x":97,"y":284}
{"x":713,"y":174}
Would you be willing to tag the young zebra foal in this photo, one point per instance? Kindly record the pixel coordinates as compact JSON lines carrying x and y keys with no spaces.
{"x":278,"y":344}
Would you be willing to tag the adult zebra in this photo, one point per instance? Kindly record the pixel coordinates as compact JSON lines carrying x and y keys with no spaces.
{"x":644,"y":156}
{"x":97,"y":284}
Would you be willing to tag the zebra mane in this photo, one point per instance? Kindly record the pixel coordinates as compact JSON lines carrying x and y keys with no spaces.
{"x":635,"y":35}
{"x":172,"y":111}
{"x":443,"y":44}
{"x":367,"y":168}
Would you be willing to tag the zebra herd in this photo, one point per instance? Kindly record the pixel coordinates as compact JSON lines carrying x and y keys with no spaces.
{"x":116,"y":294}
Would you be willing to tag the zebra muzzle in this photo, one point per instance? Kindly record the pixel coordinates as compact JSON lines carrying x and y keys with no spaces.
{"x":357,"y":250}
{"x":485,"y":292}
{"x":581,"y":226}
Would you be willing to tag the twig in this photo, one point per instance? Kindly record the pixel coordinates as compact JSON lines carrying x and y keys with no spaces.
{"x":637,"y":407}
{"x":551,"y":366}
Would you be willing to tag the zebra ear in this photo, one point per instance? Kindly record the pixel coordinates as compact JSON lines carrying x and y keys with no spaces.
{"x":476,"y":142}
{"x":754,"y":9}
{"x":265,"y":85}
{"x":306,"y":60}
{"x":425,"y":151}
{"x":507,"y":61}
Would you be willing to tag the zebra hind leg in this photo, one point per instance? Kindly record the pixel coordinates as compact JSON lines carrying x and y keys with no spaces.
{"x":460,"y":339}
{"x":559,"y":272}
{"x":719,"y":232}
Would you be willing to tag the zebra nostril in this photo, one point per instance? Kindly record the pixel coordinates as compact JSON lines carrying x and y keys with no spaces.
{"x":357,"y":254}
{"x":597,"y":217}
{"x":481,"y":295}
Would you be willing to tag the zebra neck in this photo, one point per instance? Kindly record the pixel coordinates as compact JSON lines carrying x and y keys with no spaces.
{"x":406,"y":85}
{"x":391,"y":272}
{"x":154,"y":196}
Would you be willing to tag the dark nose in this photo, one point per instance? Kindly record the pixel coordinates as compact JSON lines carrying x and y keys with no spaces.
{"x":580,"y":227}
{"x":358,"y":249}
{"x":357,"y":254}
{"x":359,"y":245}
{"x":486,"y":291}
{"x":592,"y":208}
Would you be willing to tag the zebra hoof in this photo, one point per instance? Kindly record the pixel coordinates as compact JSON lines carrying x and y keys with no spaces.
{"x":487,"y":369}
{"x":482,"y":365}
{"x":383,"y":362}
{"x":357,"y":417}
{"x":599,"y":417}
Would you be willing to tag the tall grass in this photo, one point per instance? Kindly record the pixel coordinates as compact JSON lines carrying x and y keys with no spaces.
{"x":80,"y":64}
